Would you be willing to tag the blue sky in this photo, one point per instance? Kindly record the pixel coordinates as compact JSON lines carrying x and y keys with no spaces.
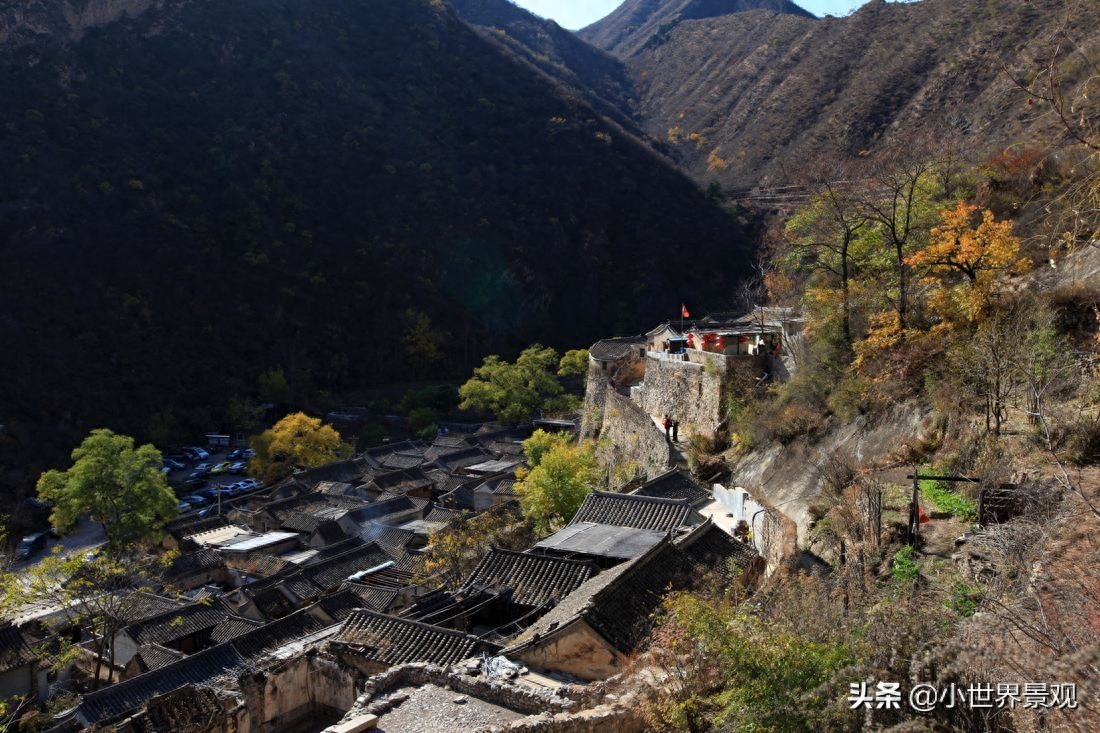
{"x":575,"y":14}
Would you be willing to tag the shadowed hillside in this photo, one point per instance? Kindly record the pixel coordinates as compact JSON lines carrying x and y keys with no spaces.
{"x":204,"y":191}
{"x":552,"y":49}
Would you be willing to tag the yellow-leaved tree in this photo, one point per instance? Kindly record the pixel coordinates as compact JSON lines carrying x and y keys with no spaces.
{"x":562,"y":474}
{"x":964,"y":256}
{"x":296,"y":441}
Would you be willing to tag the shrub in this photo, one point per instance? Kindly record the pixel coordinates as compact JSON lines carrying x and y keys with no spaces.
{"x":904,"y":568}
{"x":964,"y":599}
{"x":947,"y":500}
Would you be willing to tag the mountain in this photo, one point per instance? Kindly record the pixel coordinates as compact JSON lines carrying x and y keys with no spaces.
{"x":638,"y":24}
{"x":197,"y":192}
{"x":746,"y":97}
{"x":553,"y":50}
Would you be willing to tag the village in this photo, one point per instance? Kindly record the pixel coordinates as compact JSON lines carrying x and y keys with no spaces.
{"x":300,"y":608}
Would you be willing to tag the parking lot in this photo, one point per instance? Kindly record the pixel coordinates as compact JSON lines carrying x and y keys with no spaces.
{"x":85,"y":537}
{"x":213,"y":485}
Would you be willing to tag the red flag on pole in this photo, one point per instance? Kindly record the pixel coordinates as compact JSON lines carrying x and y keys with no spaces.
{"x":684,"y":311}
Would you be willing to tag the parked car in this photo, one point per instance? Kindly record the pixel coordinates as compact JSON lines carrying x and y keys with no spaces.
{"x":184,"y":506}
{"x":195,"y":453}
{"x":248,"y":454}
{"x":220,"y":468}
{"x":201,"y":469}
{"x":31,"y":545}
{"x":235,"y":454}
{"x":238,"y":468}
{"x":173,"y":464}
{"x":196,"y":501}
{"x":252,"y":483}
{"x":194,"y":482}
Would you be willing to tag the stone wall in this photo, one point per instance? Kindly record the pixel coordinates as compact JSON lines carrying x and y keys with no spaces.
{"x":630,"y":445}
{"x":687,"y":391}
{"x":547,"y":711}
{"x":280,"y":696}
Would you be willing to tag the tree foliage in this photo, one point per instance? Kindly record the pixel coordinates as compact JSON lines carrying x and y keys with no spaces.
{"x":456,"y":550}
{"x":512,"y":392}
{"x":574,"y":363}
{"x":972,"y":245}
{"x":562,"y":474}
{"x":115,"y":484}
{"x":99,"y":595}
{"x":296,"y":441}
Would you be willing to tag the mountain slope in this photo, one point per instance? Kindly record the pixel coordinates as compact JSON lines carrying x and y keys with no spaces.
{"x":551,"y":48}
{"x":636,"y":24}
{"x":747,"y":97}
{"x":207,"y":190}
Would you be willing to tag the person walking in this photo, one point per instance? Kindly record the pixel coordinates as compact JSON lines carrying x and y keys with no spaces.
{"x":668,"y":427}
{"x":675,"y":431}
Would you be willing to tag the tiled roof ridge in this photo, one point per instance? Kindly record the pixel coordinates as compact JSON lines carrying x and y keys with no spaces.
{"x":419,"y":624}
{"x":637,"y":497}
{"x":215,"y":605}
{"x":534,"y":557}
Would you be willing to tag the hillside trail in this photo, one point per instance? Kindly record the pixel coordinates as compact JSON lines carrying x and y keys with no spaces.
{"x":676,"y":455}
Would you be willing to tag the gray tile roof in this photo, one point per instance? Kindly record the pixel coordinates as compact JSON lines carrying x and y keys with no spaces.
{"x":443,"y":514}
{"x":140,"y":606}
{"x":330,"y":573}
{"x":618,"y":603}
{"x":602,"y":540}
{"x":14,"y":651}
{"x":675,"y":484}
{"x":155,"y":656}
{"x":178,"y":623}
{"x":390,"y":511}
{"x":626,"y":510}
{"x":230,"y":657}
{"x":614,"y":349}
{"x":457,"y":460}
{"x":390,"y":640}
{"x":389,"y":537}
{"x":231,"y":628}
{"x":711,"y":549}
{"x":532,"y":579}
{"x":195,"y":562}
{"x":117,"y":700}
{"x":353,"y":596}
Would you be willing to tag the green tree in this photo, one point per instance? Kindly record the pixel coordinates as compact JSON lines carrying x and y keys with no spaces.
{"x":824,"y":236}
{"x":273,"y":386}
{"x":455,"y":551}
{"x":422,"y":342}
{"x":562,"y":474}
{"x":100,"y":595}
{"x":512,"y":392}
{"x":574,"y":363}
{"x":296,"y":441}
{"x":120,"y":486}
{"x":540,"y":443}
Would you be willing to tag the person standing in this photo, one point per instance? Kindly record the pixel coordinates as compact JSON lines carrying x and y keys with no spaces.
{"x":675,"y":431}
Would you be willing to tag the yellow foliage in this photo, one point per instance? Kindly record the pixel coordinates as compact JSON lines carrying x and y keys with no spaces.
{"x":976,"y":247}
{"x":675,"y":134}
{"x":716,"y":162}
{"x":296,"y":441}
